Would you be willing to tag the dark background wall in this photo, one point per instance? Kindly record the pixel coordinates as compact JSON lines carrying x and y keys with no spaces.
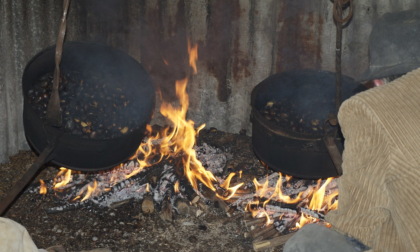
{"x":241,"y":42}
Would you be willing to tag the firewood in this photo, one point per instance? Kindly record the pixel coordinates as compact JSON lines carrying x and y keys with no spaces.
{"x":148,"y":206}
{"x":261,"y":231}
{"x":233,"y":217}
{"x":166,"y":211}
{"x":183,"y":207}
{"x":268,"y":234}
{"x":201,"y":205}
{"x":222,"y":204}
{"x":247,"y":216}
{"x":255,"y":222}
{"x":270,"y":243}
{"x":312,"y":213}
{"x":195,"y":199}
{"x":119,"y":203}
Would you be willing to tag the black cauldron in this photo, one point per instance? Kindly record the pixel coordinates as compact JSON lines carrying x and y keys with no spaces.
{"x":289,"y":111}
{"x":99,"y":62}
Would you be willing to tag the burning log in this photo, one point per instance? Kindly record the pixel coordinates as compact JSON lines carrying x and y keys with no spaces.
{"x":124,"y":190}
{"x":312,"y":213}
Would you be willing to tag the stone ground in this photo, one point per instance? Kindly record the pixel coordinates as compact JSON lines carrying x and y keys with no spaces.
{"x":126,"y":228}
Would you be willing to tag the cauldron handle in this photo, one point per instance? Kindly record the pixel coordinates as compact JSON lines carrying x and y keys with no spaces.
{"x":330,"y":136}
{"x":45,"y":156}
{"x":334,"y":152}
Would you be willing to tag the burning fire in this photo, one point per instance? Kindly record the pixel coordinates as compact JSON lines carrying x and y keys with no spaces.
{"x":42,"y":187}
{"x":314,"y":200}
{"x":63,"y":182}
{"x":178,"y":141}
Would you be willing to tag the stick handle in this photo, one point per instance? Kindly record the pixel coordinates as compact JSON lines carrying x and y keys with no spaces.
{"x":53,"y":109}
{"x":274,"y":242}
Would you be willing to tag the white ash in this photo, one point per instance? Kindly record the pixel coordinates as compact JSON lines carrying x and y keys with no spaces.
{"x":105,"y":179}
{"x":272,"y":181}
{"x":313,"y":213}
{"x":165,"y":185}
{"x":276,"y":210}
{"x":212,"y":158}
{"x":243,"y":201}
{"x":132,"y":192}
{"x":293,"y":191}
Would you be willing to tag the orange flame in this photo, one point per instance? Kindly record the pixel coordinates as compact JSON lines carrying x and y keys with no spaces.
{"x":42,"y":187}
{"x":180,"y":138}
{"x":176,"y":187}
{"x":314,"y":198}
{"x":176,"y":140}
{"x":276,"y":193}
{"x":90,"y":190}
{"x":317,"y":200}
{"x":67,"y":178}
{"x":193,"y":52}
{"x":230,"y":190}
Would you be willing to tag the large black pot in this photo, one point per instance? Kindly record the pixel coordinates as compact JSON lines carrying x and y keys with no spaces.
{"x":297,"y":150}
{"x":75,"y":151}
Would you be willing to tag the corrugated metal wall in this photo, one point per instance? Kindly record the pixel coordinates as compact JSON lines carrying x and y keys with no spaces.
{"x":241,"y":42}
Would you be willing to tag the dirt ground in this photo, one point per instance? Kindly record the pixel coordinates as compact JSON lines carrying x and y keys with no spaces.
{"x":126,"y":227}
